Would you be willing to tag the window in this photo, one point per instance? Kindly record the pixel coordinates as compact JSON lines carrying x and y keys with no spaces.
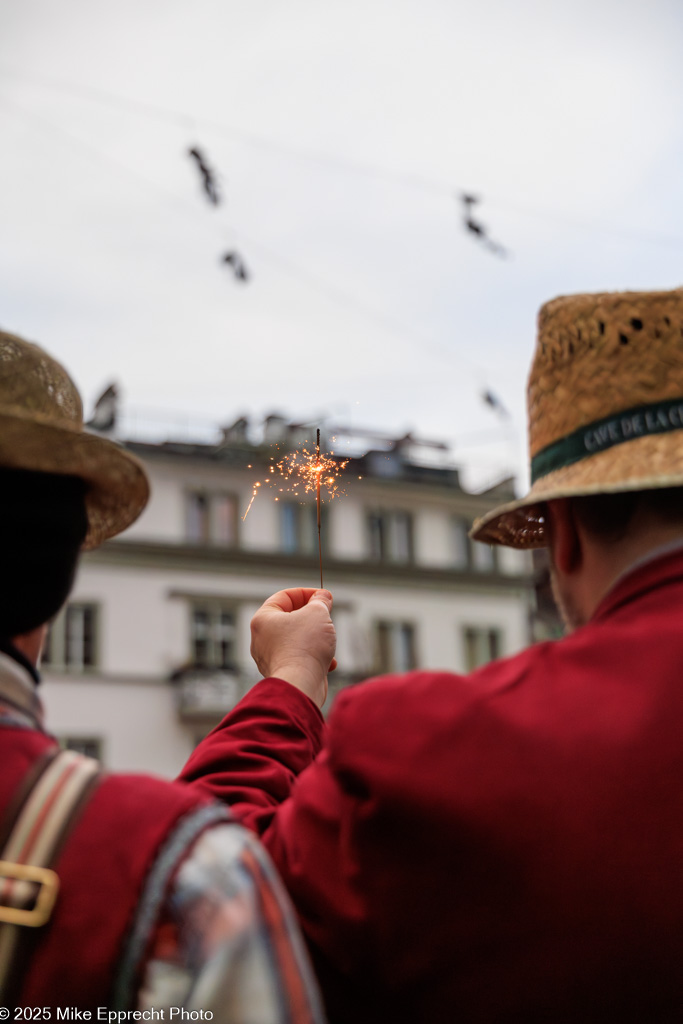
{"x":471,"y":554}
{"x":461,"y":544}
{"x":72,"y":639}
{"x":484,"y":557}
{"x":211,"y":518}
{"x":213,"y":636}
{"x":395,"y":646}
{"x":89,"y":746}
{"x":299,"y":528}
{"x":481,"y":644}
{"x":391,"y":536}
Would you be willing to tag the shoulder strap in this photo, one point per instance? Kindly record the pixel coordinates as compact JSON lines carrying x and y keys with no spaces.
{"x":28,"y":885}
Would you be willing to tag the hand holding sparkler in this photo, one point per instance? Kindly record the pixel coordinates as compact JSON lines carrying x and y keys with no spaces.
{"x":293,"y":638}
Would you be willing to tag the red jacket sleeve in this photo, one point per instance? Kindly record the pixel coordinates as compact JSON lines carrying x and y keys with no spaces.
{"x":251,"y":759}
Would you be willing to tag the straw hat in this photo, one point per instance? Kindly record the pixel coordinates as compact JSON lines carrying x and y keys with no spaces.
{"x":41,"y":428}
{"x":605,"y":405}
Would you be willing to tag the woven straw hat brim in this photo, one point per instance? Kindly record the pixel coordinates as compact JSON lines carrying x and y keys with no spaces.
{"x":643,"y":463}
{"x":118,"y":488}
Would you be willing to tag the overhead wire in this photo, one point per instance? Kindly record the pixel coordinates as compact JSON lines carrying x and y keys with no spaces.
{"x":338,"y":295}
{"x":424,"y":183}
{"x":188,"y":119}
{"x":286,"y":264}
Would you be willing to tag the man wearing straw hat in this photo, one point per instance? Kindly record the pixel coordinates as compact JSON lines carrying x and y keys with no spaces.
{"x":505,"y":846}
{"x":118,"y":894}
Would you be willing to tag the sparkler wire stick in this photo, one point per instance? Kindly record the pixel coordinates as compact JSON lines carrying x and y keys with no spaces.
{"x":318,"y":470}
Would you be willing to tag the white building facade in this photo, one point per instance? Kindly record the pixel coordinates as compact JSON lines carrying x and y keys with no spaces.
{"x":153,"y":646}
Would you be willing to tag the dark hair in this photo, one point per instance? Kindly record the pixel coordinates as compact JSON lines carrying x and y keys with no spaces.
{"x":609,"y":516}
{"x":43,"y":523}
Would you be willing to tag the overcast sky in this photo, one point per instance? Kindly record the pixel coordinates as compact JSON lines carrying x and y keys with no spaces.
{"x":342,"y":133}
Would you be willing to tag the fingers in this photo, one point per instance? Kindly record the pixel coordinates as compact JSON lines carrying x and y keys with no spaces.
{"x":298,"y":597}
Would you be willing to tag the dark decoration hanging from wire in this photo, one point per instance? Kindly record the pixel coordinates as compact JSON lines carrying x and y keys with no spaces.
{"x":476,"y":228}
{"x":213,"y":193}
{"x":492,"y":399}
{"x":234,"y":260}
{"x":209,"y":183}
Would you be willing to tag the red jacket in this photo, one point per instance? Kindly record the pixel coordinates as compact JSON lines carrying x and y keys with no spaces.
{"x":89,"y":954}
{"x":505,"y":846}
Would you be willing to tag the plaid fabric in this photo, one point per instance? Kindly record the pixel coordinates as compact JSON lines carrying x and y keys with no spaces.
{"x":227,"y":941}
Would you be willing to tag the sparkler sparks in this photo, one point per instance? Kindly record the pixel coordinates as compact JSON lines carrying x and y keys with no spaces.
{"x":308,"y":471}
{"x":303,"y":472}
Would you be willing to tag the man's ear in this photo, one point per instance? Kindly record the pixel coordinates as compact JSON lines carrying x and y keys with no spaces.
{"x":563,"y":534}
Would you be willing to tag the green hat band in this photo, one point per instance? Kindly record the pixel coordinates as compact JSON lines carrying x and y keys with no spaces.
{"x":641,"y":421}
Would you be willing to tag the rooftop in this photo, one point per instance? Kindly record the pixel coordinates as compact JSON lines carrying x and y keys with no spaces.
{"x":244,"y":442}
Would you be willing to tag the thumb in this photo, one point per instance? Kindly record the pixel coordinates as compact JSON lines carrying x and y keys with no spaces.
{"x":322,"y":597}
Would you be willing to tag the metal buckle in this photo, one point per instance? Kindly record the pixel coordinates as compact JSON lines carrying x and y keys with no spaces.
{"x":48,"y":883}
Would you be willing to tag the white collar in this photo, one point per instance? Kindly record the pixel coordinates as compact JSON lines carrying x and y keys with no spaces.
{"x":18,"y":690}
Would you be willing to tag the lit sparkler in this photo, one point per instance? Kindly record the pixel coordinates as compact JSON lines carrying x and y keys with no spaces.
{"x":308,"y":472}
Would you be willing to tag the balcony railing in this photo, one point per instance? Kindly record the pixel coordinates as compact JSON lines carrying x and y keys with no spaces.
{"x":208,"y":693}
